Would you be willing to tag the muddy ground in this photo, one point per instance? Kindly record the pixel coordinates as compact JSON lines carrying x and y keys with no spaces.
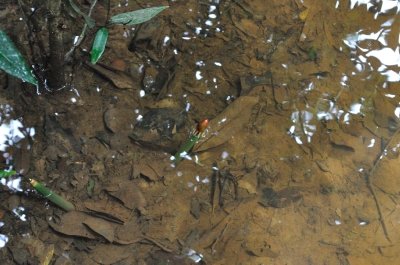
{"x":286,"y":174}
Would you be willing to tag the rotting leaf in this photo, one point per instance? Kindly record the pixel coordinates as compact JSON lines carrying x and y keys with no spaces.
{"x":105,"y":208}
{"x":130,"y":195}
{"x":101,"y":227}
{"x":110,"y":254}
{"x":322,"y":165}
{"x":71,"y":224}
{"x":119,"y":79}
{"x":227,"y":123}
{"x":148,"y":171}
{"x":247,"y":186}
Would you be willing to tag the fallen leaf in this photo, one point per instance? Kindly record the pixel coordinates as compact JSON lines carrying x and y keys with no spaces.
{"x":101,"y":227}
{"x":130,"y":195}
{"x":110,"y":254}
{"x":148,"y":171}
{"x":227,"y":123}
{"x":71,"y":224}
{"x":247,"y":186}
{"x":118,"y":120}
{"x":104,"y":207}
{"x":119,"y":79}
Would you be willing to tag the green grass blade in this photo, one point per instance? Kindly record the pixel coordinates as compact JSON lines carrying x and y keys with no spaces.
{"x":12,"y":62}
{"x":137,"y":17}
{"x":99,"y":44}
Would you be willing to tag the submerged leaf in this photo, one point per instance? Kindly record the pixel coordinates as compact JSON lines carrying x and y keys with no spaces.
{"x":138,"y":16}
{"x":99,"y":44}
{"x":227,"y":123}
{"x":89,"y":21}
{"x":12,"y":62}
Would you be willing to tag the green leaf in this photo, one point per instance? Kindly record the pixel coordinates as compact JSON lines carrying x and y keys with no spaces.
{"x":99,"y":44}
{"x":89,"y":21}
{"x":5,"y":173}
{"x":90,"y":186}
{"x":138,"y":16}
{"x":12,"y":62}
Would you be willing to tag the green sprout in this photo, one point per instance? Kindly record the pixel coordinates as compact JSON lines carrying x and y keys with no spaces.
{"x":66,"y":205}
{"x":197,"y":133}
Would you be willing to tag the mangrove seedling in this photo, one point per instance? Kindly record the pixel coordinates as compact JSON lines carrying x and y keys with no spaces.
{"x":61,"y":202}
{"x":196,"y":134}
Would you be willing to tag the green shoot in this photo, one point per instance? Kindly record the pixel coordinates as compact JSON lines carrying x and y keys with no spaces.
{"x":61,"y":202}
{"x":195,"y":136}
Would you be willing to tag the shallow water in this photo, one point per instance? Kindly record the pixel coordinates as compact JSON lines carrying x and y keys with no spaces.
{"x":298,"y":165}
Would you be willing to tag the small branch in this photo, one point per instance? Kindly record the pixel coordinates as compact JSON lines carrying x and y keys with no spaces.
{"x":372,"y":190}
{"x":67,"y":56}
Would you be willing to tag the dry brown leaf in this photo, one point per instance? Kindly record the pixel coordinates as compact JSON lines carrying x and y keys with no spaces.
{"x":101,"y":227}
{"x":130,"y":195}
{"x":329,"y":36}
{"x":71,"y":224}
{"x":311,"y":23}
{"x":110,"y":254}
{"x":227,"y":123}
{"x":247,"y":186}
{"x":120,"y":79}
{"x":104,"y":207}
{"x":147,"y":171}
{"x":119,"y":120}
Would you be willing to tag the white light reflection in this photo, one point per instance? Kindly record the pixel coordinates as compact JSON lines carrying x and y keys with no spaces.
{"x":397,"y":112}
{"x":19,"y":213}
{"x":3,"y":239}
{"x":198,"y":75}
{"x":372,"y":143}
{"x":224,"y":155}
{"x":355,"y":108}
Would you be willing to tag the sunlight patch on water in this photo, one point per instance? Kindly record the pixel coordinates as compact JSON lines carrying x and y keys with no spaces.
{"x":3,"y":238}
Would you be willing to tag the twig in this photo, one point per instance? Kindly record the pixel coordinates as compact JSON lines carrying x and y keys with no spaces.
{"x":82,"y":36}
{"x":372,"y":190}
{"x":158,"y":244}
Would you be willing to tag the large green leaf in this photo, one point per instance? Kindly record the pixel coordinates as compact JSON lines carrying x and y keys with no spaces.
{"x":137,"y":17}
{"x":12,"y":62}
{"x":99,"y":44}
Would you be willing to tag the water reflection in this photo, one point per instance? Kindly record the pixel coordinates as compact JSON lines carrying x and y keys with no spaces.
{"x":12,"y":135}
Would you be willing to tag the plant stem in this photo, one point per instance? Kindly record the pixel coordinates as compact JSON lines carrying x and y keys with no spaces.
{"x":185,"y":148}
{"x":198,"y":132}
{"x":66,"y":205}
